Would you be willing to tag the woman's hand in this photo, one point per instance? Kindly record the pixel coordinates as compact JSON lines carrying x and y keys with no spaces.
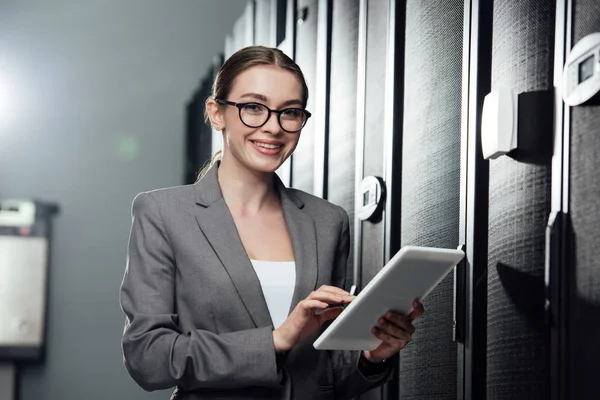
{"x":395,"y":330}
{"x":304,"y":320}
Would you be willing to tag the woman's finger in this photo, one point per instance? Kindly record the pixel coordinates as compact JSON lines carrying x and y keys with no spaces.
{"x":330,"y":298}
{"x":401,"y":321}
{"x":417,"y":311}
{"x":387,"y":338}
{"x":328,"y":314}
{"x":390,"y":340}
{"x":312,"y":304}
{"x":330,"y":309}
{"x":333,"y":289}
{"x":394,"y":330}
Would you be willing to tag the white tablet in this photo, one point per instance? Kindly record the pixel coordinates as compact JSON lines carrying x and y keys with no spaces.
{"x":410,"y":275}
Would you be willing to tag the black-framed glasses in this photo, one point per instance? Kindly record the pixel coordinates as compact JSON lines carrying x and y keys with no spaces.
{"x":255,"y":115}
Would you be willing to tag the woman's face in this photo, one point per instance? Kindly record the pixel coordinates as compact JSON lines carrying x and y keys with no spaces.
{"x":265,"y":148}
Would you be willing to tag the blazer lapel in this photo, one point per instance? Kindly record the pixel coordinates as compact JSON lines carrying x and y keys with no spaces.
{"x":304,"y":241}
{"x":218,"y":226}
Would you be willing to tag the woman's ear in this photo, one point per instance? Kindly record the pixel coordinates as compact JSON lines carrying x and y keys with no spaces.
{"x":215,"y":114}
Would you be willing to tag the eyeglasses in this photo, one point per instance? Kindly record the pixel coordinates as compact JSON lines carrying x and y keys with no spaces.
{"x":255,"y":115}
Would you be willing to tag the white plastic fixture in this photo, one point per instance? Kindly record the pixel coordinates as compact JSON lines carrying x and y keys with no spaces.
{"x":581,"y":74}
{"x":499,"y":123}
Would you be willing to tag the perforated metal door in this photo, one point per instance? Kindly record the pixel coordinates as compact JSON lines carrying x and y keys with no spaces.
{"x":519,"y":205}
{"x":584,"y":334}
{"x":431,"y":182}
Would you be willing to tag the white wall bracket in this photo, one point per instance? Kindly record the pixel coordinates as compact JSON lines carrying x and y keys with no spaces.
{"x":499,"y":123}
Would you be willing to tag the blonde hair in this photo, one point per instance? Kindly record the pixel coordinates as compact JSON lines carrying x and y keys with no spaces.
{"x":240,"y":61}
{"x":208,"y":164}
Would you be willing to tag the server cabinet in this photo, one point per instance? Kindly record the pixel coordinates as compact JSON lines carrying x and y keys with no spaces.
{"x":582,"y":202}
{"x":519,"y":205}
{"x":431,"y":182}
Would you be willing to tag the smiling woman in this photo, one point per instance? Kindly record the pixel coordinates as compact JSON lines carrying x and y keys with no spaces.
{"x":231,"y":310}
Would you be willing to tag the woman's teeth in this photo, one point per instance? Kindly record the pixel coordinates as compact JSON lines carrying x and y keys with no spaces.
{"x":268,"y":146}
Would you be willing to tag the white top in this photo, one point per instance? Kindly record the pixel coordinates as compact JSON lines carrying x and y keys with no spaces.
{"x":277,"y":280}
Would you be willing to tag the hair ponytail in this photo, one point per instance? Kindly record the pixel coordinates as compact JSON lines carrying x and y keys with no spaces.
{"x":209,"y":164}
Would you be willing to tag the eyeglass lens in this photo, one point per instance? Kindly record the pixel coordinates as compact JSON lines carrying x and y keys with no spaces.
{"x":255,"y":115}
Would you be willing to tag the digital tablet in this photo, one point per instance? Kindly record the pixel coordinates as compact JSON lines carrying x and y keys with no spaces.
{"x":410,"y":275}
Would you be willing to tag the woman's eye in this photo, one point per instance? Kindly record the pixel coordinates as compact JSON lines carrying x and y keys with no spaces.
{"x":253,"y":108}
{"x":292,"y":113}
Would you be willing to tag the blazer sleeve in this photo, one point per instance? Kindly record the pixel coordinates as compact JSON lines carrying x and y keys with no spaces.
{"x":157,"y":353}
{"x":350,"y":378}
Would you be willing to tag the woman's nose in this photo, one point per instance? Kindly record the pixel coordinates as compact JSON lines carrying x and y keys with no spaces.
{"x":272,"y":125}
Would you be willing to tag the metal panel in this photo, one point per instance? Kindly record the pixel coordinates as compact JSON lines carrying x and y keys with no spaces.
{"x":519,"y":207}
{"x":249,"y":25}
{"x":393,"y":123}
{"x":585,"y":213}
{"x":374,"y":39}
{"x":303,"y":164}
{"x":217,"y":138}
{"x":392,"y":145}
{"x":343,"y":102}
{"x":373,"y":234}
{"x":557,"y":265}
{"x":474,"y":203}
{"x":360,"y":138}
{"x":229,"y":45}
{"x":8,"y":381}
{"x":263,"y":23}
{"x":322,"y":96}
{"x":243,"y":31}
{"x":280,"y":10}
{"x":431,"y":182}
{"x":283,"y":13}
{"x":24,"y":237}
{"x":22,"y":290}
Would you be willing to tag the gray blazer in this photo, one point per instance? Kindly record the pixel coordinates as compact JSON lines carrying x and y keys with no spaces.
{"x":197,"y":319}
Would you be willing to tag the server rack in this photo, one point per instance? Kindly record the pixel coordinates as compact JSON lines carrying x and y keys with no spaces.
{"x":519,"y":205}
{"x":581,"y":194}
{"x":431,"y":182}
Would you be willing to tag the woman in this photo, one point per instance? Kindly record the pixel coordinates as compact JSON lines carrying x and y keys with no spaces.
{"x":229,"y":281}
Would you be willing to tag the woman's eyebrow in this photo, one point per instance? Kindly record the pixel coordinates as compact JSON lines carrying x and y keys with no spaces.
{"x":292,"y":102}
{"x":263,"y":98}
{"x":255,"y":96}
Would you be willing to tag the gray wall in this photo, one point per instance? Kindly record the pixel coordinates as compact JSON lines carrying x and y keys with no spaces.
{"x":98,"y":90}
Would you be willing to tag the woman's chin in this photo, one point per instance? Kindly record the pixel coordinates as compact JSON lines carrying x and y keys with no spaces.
{"x":267,"y":168}
{"x":262,"y":164}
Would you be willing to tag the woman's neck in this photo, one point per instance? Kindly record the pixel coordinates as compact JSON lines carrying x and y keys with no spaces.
{"x":246,"y":192}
